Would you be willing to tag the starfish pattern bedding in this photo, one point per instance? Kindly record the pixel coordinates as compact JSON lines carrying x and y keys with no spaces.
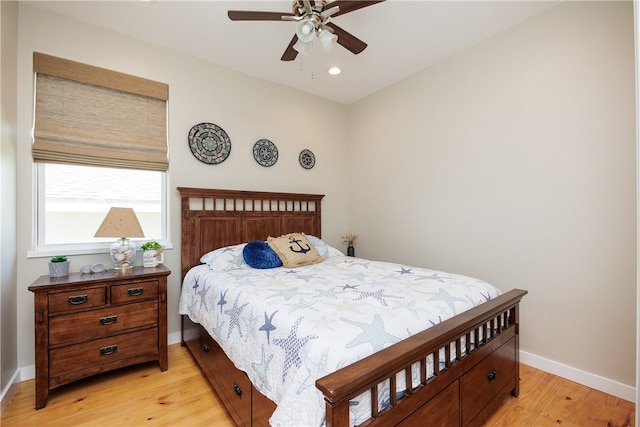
{"x":288,"y":327}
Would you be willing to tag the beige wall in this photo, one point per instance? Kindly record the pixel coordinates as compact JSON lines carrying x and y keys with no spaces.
{"x":246,"y":107}
{"x":8,"y":267}
{"x":514,"y":161}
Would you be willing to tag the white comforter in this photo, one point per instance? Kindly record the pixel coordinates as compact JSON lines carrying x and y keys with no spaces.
{"x":288,"y":327}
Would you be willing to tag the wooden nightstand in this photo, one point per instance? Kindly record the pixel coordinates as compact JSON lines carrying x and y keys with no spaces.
{"x":87,"y":324}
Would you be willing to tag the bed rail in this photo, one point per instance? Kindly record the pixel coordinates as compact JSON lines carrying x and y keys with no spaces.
{"x":459,"y":339}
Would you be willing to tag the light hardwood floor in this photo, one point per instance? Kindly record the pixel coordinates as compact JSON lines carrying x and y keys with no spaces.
{"x":145,"y":396}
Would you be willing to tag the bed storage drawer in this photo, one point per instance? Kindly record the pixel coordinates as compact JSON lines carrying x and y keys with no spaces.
{"x":483,"y":387}
{"x":441,"y":411}
{"x":231,"y":384}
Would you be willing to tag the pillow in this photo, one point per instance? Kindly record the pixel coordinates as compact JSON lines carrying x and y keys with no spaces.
{"x":319,"y":244}
{"x":324,"y":249}
{"x":294,"y":250}
{"x":227,"y":258}
{"x":258,"y":254}
{"x":332,"y":252}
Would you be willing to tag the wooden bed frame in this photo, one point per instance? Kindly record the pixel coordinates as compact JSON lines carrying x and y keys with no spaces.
{"x":480,"y":346}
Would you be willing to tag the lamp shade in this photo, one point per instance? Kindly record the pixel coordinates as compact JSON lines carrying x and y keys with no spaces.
{"x":120,"y":222}
{"x":305,"y":30}
{"x":327,"y":39}
{"x":302,"y":47}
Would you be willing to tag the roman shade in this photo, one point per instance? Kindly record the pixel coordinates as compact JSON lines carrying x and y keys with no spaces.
{"x":92,"y":116}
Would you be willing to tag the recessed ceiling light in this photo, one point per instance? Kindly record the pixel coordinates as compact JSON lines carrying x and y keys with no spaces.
{"x":334,"y":71}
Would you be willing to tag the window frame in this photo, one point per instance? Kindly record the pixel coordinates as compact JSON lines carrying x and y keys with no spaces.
{"x":40,"y":250}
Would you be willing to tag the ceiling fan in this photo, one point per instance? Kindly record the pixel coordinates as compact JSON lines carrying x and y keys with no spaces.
{"x":312,"y":17}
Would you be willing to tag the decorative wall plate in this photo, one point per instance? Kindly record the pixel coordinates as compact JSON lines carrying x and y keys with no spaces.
{"x":265,"y":152}
{"x":209,"y":143}
{"x":307,"y":159}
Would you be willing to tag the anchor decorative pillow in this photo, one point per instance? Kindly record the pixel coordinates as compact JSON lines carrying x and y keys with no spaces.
{"x":294,"y":250}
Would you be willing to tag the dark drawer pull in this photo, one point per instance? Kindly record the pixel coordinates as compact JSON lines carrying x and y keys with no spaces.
{"x":237,"y":389}
{"x":135,"y":292}
{"x":205,"y":348}
{"x":109,"y":320}
{"x":491,"y":376}
{"x":78,"y":299}
{"x":110,"y":349}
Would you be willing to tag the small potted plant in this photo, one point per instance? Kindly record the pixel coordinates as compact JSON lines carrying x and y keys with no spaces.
{"x":59,"y":266}
{"x":152,"y":255}
{"x":351,"y":240}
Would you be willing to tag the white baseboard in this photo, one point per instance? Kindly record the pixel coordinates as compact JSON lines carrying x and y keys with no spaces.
{"x":623,"y":391}
{"x":9,"y":391}
{"x":174,"y":338}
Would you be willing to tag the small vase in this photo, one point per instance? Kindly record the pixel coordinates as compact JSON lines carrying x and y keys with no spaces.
{"x":153,"y":257}
{"x":59,"y":269}
{"x":351,"y":250}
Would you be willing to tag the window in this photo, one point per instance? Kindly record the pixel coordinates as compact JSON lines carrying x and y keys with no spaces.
{"x":100,"y":141}
{"x":73,"y":200}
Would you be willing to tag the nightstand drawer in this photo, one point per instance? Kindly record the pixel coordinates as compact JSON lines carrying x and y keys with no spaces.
{"x":88,"y":325}
{"x":76,"y":300}
{"x":133,"y":292}
{"x":89,"y":355}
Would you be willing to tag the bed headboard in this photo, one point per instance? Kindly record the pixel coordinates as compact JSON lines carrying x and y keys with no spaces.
{"x":213,"y":218}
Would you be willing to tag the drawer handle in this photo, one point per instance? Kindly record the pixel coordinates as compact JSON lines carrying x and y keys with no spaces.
{"x":491,"y":376}
{"x":237,"y":389}
{"x":205,"y":348}
{"x":135,"y":292}
{"x":109,"y":320}
{"x":78,"y":299}
{"x":110,"y":349}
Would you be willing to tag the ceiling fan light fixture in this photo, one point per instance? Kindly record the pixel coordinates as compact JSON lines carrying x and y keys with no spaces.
{"x":302,"y":47}
{"x":327,"y":39}
{"x":305,"y":30}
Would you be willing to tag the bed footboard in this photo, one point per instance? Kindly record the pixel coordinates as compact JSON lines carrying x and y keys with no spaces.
{"x":458,"y":372}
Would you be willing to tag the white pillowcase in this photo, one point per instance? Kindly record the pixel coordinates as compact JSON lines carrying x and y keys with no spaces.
{"x":319,"y":244}
{"x":331,"y":252}
{"x":227,"y":258}
{"x":323,"y":248}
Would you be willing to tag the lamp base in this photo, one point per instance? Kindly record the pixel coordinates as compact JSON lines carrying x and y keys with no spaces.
{"x":123,"y":253}
{"x":123,"y":270}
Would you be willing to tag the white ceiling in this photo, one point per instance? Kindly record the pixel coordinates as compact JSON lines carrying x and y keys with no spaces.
{"x":404,"y":37}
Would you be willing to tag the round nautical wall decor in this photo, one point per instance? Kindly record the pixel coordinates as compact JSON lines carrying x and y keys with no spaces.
{"x":209,"y":143}
{"x":307,"y":159}
{"x":265,"y":152}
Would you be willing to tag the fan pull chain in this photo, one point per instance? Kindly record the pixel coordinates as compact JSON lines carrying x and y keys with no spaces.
{"x":312,"y":77}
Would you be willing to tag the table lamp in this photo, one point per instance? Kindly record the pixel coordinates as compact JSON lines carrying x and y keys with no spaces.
{"x":121,"y":223}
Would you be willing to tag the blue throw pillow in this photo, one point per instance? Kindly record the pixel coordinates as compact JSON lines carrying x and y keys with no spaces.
{"x":258,"y":254}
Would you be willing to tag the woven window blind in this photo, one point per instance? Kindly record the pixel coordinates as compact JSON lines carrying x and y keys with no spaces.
{"x":92,"y":116}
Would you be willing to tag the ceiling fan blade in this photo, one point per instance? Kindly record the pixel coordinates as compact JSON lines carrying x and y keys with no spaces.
{"x":347,"y":40}
{"x":347,"y":6}
{"x":290,"y":53}
{"x":248,"y":15}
